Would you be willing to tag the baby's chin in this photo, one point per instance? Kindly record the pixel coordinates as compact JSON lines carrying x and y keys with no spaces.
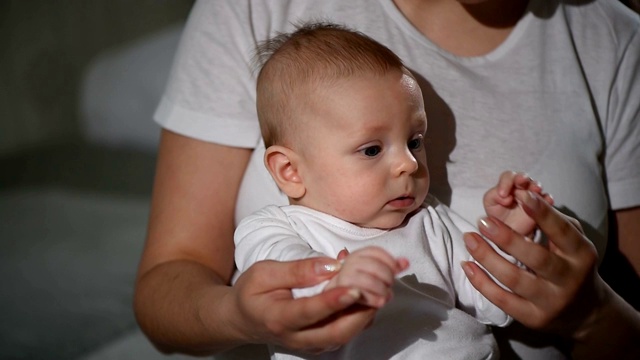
{"x":385,"y":222}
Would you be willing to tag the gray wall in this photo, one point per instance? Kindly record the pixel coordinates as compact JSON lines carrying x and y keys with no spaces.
{"x":45,"y":46}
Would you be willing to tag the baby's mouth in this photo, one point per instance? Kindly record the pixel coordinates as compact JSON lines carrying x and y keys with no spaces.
{"x":402,"y":202}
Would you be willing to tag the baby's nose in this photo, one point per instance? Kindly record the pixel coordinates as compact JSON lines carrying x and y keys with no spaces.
{"x":407,"y":163}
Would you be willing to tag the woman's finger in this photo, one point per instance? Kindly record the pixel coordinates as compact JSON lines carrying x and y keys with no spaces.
{"x":333,"y":332}
{"x":278,"y":278}
{"x":536,"y":257}
{"x":533,"y":300}
{"x":275,"y":275}
{"x":518,"y":307}
{"x":518,"y":280}
{"x":317,"y":323}
{"x":563,"y":232}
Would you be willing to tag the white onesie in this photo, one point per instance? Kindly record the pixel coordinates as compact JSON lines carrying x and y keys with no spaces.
{"x":435,"y":311}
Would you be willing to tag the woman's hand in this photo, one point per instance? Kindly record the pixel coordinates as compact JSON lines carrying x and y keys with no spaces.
{"x":561,"y":292}
{"x":269,"y":314}
{"x":558,"y":276}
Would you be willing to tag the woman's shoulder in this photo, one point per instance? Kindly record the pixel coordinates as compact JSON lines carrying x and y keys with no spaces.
{"x":609,"y":17}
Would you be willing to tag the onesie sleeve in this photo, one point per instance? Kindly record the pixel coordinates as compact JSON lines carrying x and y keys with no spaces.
{"x":267,"y":235}
{"x":468,"y":298}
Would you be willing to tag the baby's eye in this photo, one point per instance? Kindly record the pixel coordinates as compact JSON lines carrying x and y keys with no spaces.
{"x":372,"y":151}
{"x":415,"y":144}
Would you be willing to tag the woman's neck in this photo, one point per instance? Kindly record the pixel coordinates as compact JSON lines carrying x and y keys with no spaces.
{"x":464,"y":28}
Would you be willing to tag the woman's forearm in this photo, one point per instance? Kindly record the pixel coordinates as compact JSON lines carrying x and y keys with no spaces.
{"x":611,"y":332}
{"x":181,"y":307}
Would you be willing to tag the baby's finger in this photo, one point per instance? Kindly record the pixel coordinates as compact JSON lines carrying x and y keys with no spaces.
{"x":375,"y":300}
{"x":343,"y":254}
{"x":525,"y":182}
{"x":492,"y":198}
{"x":367,"y":270}
{"x":522,"y":196}
{"x":374,"y":292}
{"x":506,"y":183}
{"x":381,"y":257}
{"x":402,"y":264}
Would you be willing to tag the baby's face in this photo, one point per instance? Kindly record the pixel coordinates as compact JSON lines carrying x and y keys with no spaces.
{"x":363,"y":157}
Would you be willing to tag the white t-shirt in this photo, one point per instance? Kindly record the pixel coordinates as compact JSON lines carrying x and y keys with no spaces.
{"x":559,"y":99}
{"x":434,"y":305}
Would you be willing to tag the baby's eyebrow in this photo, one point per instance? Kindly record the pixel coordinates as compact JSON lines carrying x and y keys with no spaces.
{"x":420,"y":121}
{"x":371,"y":130}
{"x":375,"y":127}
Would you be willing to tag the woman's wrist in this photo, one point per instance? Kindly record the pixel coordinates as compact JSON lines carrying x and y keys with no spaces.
{"x":220,"y":316}
{"x":181,"y":307}
{"x":611,"y":330}
{"x":599,"y":305}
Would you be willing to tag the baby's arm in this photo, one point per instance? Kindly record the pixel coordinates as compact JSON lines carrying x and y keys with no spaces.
{"x":267,"y":235}
{"x":503,"y":201}
{"x":371,"y":270}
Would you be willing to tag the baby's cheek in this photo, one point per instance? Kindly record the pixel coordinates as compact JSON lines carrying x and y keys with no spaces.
{"x":354,"y":205}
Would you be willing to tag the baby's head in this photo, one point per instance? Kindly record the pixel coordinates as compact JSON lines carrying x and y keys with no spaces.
{"x":343,"y":122}
{"x":297,"y":65}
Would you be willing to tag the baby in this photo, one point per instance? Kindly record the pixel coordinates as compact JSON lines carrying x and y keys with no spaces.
{"x":343,"y":123}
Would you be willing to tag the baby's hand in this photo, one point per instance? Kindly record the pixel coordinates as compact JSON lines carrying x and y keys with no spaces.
{"x":371,"y":270}
{"x":502,"y":201}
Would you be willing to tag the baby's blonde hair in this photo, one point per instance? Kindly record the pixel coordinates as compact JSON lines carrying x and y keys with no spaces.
{"x":315,"y":54}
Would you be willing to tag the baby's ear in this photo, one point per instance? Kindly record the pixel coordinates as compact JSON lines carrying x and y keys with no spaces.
{"x":282,"y":164}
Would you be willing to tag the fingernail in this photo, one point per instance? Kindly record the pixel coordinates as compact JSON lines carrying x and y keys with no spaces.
{"x":531,"y":201}
{"x":488,"y":226}
{"x":350,"y":297}
{"x":470,"y":241}
{"x":323,"y":268}
{"x":467,"y":269}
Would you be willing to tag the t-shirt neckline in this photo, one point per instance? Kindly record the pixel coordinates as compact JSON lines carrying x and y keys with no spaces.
{"x":510,"y":42}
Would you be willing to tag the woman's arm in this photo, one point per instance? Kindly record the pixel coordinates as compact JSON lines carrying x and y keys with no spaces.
{"x":628,"y":240}
{"x":562,"y":293}
{"x":182,"y":299}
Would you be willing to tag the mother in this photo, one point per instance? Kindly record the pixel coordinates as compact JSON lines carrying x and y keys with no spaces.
{"x":545,"y":87}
